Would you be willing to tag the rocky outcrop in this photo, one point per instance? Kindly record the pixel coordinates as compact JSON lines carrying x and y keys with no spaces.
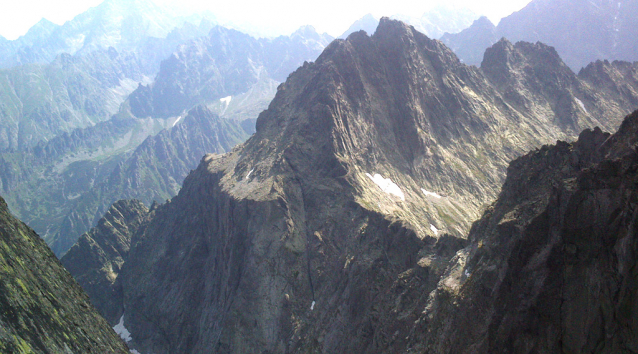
{"x":327,"y":229}
{"x":96,"y":260}
{"x":42,"y":309}
{"x":551,"y":263}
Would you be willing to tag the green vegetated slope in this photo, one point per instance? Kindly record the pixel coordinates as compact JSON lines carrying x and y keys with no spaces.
{"x":40,"y":102}
{"x":64,"y":186}
{"x":42,"y":309}
{"x":153,"y":171}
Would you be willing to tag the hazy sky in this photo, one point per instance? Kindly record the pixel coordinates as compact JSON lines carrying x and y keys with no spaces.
{"x":284,"y":16}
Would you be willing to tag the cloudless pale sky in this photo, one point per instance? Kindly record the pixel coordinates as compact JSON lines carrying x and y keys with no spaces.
{"x":281,"y":16}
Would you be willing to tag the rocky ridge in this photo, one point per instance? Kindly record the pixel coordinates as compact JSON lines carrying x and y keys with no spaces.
{"x":551,"y":264}
{"x":97,"y":258}
{"x":581,"y":31}
{"x":327,"y":229}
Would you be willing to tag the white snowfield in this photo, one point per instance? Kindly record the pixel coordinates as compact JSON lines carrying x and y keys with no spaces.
{"x":249,"y":173}
{"x":312,"y":306}
{"x":387,"y":185}
{"x":431,"y":194}
{"x":434,"y":229}
{"x":122,"y":331}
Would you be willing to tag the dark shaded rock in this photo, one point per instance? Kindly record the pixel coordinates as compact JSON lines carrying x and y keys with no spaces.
{"x":42,"y":309}
{"x":96,"y":260}
{"x":551,"y":265}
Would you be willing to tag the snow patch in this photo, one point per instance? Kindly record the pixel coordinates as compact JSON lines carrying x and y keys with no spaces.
{"x":312,"y":306}
{"x":134,"y":351}
{"x":581,"y":104}
{"x":431,"y":194}
{"x":434,"y":229}
{"x":226,"y":100}
{"x":177,"y":120}
{"x":387,"y":185}
{"x":249,"y":173}
{"x":467,"y":273}
{"x":122,"y":331}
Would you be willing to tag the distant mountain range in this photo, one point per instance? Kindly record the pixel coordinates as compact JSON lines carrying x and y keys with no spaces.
{"x":226,"y":63}
{"x":441,"y":19}
{"x":126,"y":25}
{"x":581,"y":31}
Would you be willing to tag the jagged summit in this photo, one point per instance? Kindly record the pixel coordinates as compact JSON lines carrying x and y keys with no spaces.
{"x":330,"y":226}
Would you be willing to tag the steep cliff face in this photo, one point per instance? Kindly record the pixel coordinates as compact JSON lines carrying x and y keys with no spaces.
{"x":95,"y":261}
{"x":327,"y":230}
{"x":42,"y":309}
{"x":552,"y":263}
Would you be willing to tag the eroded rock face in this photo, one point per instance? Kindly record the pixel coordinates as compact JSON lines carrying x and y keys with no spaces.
{"x":329,"y":228}
{"x":551,"y":265}
{"x":95,"y":261}
{"x":42,"y":309}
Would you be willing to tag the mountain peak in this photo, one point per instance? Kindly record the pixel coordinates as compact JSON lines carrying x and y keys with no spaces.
{"x":483,"y":21}
{"x":367,"y":23}
{"x":40,"y":30}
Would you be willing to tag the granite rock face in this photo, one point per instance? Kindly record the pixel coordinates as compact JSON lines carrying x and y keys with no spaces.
{"x":328,"y":229}
{"x":95,"y":261}
{"x":42,"y":309}
{"x":551,"y":264}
